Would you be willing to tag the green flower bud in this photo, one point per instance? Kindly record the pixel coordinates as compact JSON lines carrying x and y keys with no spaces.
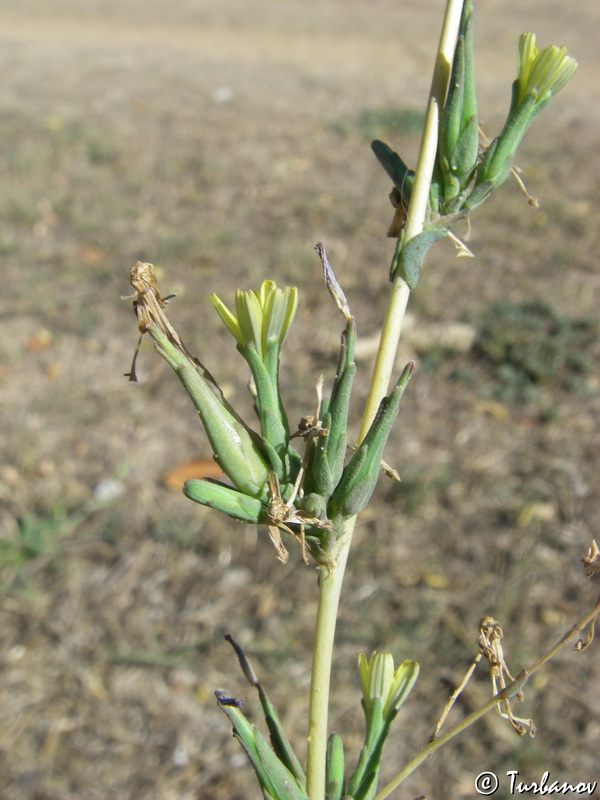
{"x":361,"y":473}
{"x":334,"y":785}
{"x":224,"y":498}
{"x":260,"y":325}
{"x":235,"y":447}
{"x":384,"y":690}
{"x":541,"y":73}
{"x":459,"y":134}
{"x":380,"y":681}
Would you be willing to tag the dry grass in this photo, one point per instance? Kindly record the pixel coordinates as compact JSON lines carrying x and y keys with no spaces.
{"x":220,"y":143}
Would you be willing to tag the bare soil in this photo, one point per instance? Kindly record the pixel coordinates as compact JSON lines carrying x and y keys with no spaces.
{"x":221,"y":140}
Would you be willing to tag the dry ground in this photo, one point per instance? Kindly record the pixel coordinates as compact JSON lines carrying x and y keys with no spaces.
{"x":221,"y":140}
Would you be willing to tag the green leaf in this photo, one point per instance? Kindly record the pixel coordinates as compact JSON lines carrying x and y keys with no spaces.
{"x":409,"y":256}
{"x":279,"y":740}
{"x":280,"y":782}
{"x":280,"y":743}
{"x":243,"y":731}
{"x":274,"y":778}
{"x":401,"y":175}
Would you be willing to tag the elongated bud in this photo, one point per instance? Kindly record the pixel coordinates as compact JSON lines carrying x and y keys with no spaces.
{"x":327,"y":454}
{"x":361,"y":473}
{"x":269,"y":407}
{"x":224,"y":498}
{"x":384,"y":690}
{"x":459,"y":134}
{"x":330,"y":450}
{"x":326,"y":462}
{"x":234,"y":446}
{"x":260,"y":324}
{"x":334,"y":785}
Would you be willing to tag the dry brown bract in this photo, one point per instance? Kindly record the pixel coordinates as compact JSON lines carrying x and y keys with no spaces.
{"x":591,"y":561}
{"x":281,"y":514}
{"x":148,"y":305}
{"x":490,"y":634}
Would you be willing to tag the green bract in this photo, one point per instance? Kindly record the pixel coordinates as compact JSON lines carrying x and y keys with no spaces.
{"x":459,"y":128}
{"x":225,"y":499}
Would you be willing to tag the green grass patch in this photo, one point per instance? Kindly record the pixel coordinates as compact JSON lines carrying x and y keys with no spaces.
{"x":528,"y":347}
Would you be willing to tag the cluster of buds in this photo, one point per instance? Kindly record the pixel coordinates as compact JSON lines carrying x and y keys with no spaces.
{"x":465,"y":173}
{"x":307,"y":494}
{"x":280,"y":772}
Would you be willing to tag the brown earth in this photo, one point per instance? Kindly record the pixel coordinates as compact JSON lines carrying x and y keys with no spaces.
{"x":221,"y":141}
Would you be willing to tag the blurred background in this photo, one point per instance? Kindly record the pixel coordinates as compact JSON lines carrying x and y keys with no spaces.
{"x":221,"y":141}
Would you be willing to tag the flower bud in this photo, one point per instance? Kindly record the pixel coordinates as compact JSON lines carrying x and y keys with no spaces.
{"x":262,"y":314}
{"x":379,"y":681}
{"x":361,"y":473}
{"x":235,"y":447}
{"x":260,"y":325}
{"x":224,"y":498}
{"x":459,"y":134}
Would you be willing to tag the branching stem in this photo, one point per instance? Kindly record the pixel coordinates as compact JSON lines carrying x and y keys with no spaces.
{"x":506,"y":694}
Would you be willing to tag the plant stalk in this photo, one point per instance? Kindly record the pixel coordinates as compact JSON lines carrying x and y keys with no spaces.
{"x":330,"y":581}
{"x":505,"y":694}
{"x":417,"y":211}
{"x":330,"y":586}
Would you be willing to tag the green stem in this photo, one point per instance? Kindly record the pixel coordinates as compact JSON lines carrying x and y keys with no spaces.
{"x":330,"y":583}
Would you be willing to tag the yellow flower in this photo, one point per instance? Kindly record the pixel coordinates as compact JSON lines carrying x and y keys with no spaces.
{"x":379,"y":681}
{"x":542,"y":73}
{"x":261,"y":314}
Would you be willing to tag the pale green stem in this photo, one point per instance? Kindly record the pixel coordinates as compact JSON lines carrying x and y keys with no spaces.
{"x":417,"y":211}
{"x":330,"y":582}
{"x":430,"y":748}
{"x":330,"y":586}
